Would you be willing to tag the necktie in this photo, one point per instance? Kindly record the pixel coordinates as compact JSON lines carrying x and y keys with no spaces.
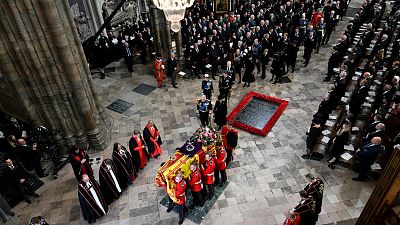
{"x":12,"y":167}
{"x":127,"y":51}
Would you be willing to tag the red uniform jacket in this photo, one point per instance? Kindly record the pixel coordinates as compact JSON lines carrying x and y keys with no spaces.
{"x":180,"y":189}
{"x":208,"y":171}
{"x":195,"y":182}
{"x":220,"y":159}
{"x":316,"y":18}
{"x":296,"y":221}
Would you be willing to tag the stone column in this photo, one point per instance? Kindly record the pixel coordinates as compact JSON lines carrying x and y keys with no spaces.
{"x":45,"y":74}
{"x":179,"y":48}
{"x":161,"y":30}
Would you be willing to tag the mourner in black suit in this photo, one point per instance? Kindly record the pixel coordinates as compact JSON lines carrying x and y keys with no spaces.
{"x":30,"y":157}
{"x":172,"y":66}
{"x":333,"y":62}
{"x":127,"y":53}
{"x":16,"y":177}
{"x":15,"y":128}
{"x":366,"y":156}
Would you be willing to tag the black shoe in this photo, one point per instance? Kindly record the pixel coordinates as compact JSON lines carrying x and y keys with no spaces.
{"x":169,"y":209}
{"x":28,"y":201}
{"x":306,"y":156}
{"x":191,"y":206}
{"x":293,"y":70}
{"x":271,"y":79}
{"x":181,"y":221}
{"x":358,"y":179}
{"x":175,"y":86}
{"x":198,"y":77}
{"x":221,"y":185}
{"x":244,"y":85}
{"x":248,"y":85}
{"x":274,"y":82}
{"x":11,"y":213}
{"x":213,"y":77}
{"x":44,"y":175}
{"x":35,"y":195}
{"x":239,"y":82}
{"x":210,"y":197}
{"x":332,"y":166}
{"x":305,"y":64}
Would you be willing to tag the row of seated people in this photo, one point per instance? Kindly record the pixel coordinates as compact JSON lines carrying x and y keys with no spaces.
{"x":361,"y":110}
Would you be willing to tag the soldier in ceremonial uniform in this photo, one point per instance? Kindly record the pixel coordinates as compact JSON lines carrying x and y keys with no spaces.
{"x":321,"y":29}
{"x":225,"y":85}
{"x":306,"y":209}
{"x":179,"y":190}
{"x":229,"y":140}
{"x":220,"y":161}
{"x":207,"y":170}
{"x":207,"y":87}
{"x":292,"y":218}
{"x":92,"y":202}
{"x":204,"y":108}
{"x":196,"y":185}
{"x":315,"y":188}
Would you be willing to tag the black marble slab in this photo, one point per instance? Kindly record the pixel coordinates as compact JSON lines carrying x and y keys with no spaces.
{"x":257,"y":113}
{"x":144,"y":89}
{"x":119,"y":106}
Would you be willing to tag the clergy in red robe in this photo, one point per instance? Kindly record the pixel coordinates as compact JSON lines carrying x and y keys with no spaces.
{"x":123,"y":161}
{"x":109,"y":184}
{"x":137,"y":146}
{"x":152,"y":139}
{"x":80,"y":162}
{"x":92,"y":202}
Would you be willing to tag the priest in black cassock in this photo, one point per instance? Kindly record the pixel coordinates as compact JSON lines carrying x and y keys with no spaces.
{"x":109,"y":184}
{"x":123,"y":161}
{"x":92,"y":202}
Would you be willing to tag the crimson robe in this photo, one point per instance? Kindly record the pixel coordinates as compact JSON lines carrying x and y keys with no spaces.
{"x":78,"y":167}
{"x":153,"y":140}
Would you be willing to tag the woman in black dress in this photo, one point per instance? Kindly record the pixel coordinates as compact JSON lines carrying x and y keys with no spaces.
{"x":341,"y":139}
{"x":220,"y":111}
{"x":248,"y":76}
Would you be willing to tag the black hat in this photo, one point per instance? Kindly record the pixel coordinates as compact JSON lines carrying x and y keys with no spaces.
{"x":158,"y":55}
{"x":220,"y":97}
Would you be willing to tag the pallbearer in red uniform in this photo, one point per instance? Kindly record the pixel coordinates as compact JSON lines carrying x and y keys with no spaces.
{"x":109,"y":184}
{"x":207,"y":171}
{"x":92,"y":202}
{"x":315,"y":188}
{"x":229,"y":139}
{"x":152,"y":139}
{"x":305,"y":209}
{"x":220,"y":165}
{"x":80,"y":162}
{"x":123,"y":161}
{"x":292,"y":218}
{"x":179,"y":190}
{"x":159,"y":70}
{"x":196,"y":185}
{"x":137,"y":146}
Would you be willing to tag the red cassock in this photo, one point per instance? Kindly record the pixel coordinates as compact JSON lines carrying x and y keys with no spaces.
{"x":208,"y":171}
{"x":296,"y":221}
{"x":195,"y":182}
{"x":153,"y":140}
{"x":220,"y":159}
{"x":316,"y":18}
{"x":158,"y":70}
{"x":140,"y":150}
{"x":180,"y":189}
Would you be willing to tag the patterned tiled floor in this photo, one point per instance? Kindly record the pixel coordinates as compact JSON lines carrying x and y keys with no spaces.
{"x":267,"y":171}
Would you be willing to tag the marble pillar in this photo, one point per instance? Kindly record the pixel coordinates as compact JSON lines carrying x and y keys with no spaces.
{"x":44,"y":73}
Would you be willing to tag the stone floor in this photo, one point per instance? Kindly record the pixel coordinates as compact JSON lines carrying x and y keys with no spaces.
{"x":268,"y":171}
